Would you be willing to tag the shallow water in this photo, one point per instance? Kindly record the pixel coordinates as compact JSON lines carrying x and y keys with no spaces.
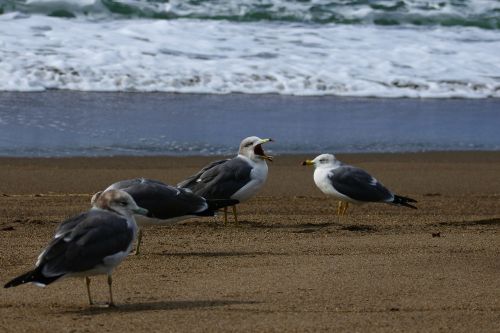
{"x":59,"y":123}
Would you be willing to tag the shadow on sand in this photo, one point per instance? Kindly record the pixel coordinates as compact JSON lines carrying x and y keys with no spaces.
{"x":258,"y":225}
{"x":359,"y":228}
{"x":218,"y":254}
{"x":155,"y":306}
{"x":301,"y":227}
{"x":316,"y":226}
{"x":492,"y":222}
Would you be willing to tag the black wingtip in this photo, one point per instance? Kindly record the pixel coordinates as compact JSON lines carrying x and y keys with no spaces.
{"x":21,"y":279}
{"x":31,"y":276}
{"x":404,"y":201}
{"x":408,"y":205}
{"x":215,"y":204}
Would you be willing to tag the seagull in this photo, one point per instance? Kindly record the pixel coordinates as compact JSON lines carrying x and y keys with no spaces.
{"x":238,"y":178}
{"x":92,"y":243}
{"x":165,"y":204}
{"x":351,"y":184}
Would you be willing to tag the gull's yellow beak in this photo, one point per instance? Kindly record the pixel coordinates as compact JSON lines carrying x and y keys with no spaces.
{"x":266,"y":140}
{"x":308,"y":162}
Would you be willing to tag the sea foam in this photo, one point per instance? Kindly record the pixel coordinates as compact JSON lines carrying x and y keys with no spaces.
{"x":39,"y":52}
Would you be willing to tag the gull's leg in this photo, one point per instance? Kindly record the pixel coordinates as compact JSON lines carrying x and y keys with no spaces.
{"x":110,"y":282}
{"x":138,"y":245}
{"x":235,"y":214}
{"x":225,"y":215}
{"x":339,"y":207}
{"x":87,"y":284}
{"x":344,"y":208}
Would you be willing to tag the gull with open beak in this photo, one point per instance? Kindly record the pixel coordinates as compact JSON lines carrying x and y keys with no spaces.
{"x":238,"y":178}
{"x":350,"y":184}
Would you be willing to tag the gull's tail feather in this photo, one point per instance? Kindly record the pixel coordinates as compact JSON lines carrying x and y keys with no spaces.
{"x":403,"y":201}
{"x":216,"y":204}
{"x":34,"y":276}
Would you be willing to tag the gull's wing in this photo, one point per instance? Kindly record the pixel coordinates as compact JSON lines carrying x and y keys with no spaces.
{"x":192,"y":180}
{"x":164,"y":201}
{"x":67,"y":225}
{"x":358,"y":184}
{"x":100,"y":235}
{"x":221,"y":179}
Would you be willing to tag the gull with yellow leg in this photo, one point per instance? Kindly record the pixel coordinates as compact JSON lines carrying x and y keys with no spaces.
{"x":350,"y":184}
{"x":238,"y":178}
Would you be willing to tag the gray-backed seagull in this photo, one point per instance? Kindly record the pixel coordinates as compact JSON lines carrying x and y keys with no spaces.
{"x":92,"y":243}
{"x":350,"y":184}
{"x":238,"y":178}
{"x":165,"y":204}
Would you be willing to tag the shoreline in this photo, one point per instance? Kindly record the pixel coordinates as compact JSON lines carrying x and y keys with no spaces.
{"x":172,"y":94}
{"x":101,"y":124}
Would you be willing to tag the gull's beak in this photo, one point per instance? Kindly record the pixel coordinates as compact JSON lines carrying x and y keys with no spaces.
{"x":140,"y":211}
{"x":260,"y":152}
{"x":265,"y":140}
{"x":308,"y":162}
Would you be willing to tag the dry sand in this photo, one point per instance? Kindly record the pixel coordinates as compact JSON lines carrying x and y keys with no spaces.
{"x":292,"y":265}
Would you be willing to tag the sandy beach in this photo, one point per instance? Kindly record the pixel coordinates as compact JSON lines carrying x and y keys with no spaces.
{"x":291,"y":265}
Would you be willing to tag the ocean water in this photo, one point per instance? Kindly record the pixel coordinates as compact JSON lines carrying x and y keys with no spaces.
{"x":362,"y":48}
{"x":62,"y":123}
{"x":316,"y":75}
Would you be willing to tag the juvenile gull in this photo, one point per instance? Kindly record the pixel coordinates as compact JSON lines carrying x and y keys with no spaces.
{"x":351,"y":184}
{"x":92,"y":243}
{"x":238,"y":178}
{"x":165,"y":204}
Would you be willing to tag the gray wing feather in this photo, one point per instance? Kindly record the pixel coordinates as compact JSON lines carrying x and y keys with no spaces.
{"x":161,"y":200}
{"x":191,"y":180}
{"x":99,"y":235}
{"x":123,"y":184}
{"x":358,"y":184}
{"x":68,"y":225}
{"x":221,"y":179}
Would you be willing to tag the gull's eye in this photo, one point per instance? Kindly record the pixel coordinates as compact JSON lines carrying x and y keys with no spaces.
{"x":322,"y":161}
{"x":249,"y":144}
{"x":122,"y":203}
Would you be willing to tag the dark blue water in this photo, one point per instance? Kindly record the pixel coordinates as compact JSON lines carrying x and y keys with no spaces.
{"x":58,"y":123}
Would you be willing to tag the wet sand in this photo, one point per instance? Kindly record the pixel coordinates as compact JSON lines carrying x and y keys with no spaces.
{"x":67,"y":123}
{"x":292,"y":265}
